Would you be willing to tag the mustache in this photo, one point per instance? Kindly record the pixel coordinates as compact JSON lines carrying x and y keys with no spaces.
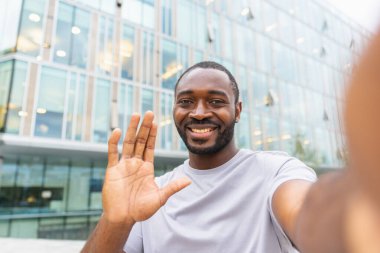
{"x":200,"y":122}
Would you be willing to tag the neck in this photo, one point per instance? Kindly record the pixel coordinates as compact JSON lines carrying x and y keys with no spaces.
{"x":209,"y":161}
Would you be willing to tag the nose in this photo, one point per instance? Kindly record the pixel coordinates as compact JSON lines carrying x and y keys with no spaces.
{"x":200,"y":112}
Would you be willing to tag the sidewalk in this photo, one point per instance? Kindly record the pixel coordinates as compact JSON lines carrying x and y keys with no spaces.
{"x":12,"y":245}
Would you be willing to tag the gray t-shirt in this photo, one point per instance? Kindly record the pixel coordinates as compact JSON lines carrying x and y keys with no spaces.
{"x":225,"y":209}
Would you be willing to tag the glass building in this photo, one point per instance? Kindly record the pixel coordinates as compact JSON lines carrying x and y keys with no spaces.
{"x":70,"y":71}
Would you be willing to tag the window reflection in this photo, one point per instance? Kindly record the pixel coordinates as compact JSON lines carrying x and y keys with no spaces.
{"x":140,"y":12}
{"x":147,"y":58}
{"x":166,"y":123}
{"x":5,"y":77}
{"x":125,"y":108}
{"x":105,"y":56}
{"x":127,"y":51}
{"x":75,"y":107}
{"x":72,"y":32}
{"x":170,"y":64}
{"x":50,"y":104}
{"x":9,"y":13}
{"x":15,"y":107}
{"x":30,"y":36}
{"x":146,"y":100}
{"x":102,"y":108}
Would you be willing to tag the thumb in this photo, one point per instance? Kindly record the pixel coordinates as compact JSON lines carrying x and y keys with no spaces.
{"x":173,"y":187}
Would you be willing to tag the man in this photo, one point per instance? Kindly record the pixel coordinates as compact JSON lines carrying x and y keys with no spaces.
{"x":223,"y":199}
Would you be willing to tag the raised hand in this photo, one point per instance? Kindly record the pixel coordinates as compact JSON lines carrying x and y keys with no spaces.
{"x":130,"y":193}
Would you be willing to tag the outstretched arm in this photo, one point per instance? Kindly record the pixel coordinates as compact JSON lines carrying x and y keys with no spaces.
{"x":341,"y":212}
{"x":129,"y":193}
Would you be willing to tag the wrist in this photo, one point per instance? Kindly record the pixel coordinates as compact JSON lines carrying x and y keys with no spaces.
{"x":113,"y":220}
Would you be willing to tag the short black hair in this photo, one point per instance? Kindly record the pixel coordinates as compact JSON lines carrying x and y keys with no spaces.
{"x":212,"y":65}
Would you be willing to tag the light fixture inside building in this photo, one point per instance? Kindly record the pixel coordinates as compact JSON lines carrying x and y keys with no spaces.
{"x":286,"y":136}
{"x":60,"y":53}
{"x":34,"y":17}
{"x":41,"y":110}
{"x":22,"y":114}
{"x":257,"y":132}
{"x":271,"y":27}
{"x":247,"y":12}
{"x":75,"y":30}
{"x":171,"y":70}
{"x":300,"y":40}
{"x":208,"y":2}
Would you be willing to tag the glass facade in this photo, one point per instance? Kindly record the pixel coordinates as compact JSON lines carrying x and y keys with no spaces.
{"x":71,"y":70}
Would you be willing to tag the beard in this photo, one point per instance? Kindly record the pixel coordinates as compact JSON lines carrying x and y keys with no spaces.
{"x":222,"y":140}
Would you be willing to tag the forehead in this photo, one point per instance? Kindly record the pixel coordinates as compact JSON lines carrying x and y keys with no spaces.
{"x":205,"y":79}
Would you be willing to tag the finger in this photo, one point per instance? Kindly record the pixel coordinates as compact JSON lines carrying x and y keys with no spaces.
{"x":143,"y":134}
{"x":130,"y":136}
{"x":173,"y":187}
{"x":113,"y":153}
{"x":150,"y":144}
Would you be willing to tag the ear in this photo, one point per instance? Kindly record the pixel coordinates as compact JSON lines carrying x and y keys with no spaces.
{"x":238,"y":108}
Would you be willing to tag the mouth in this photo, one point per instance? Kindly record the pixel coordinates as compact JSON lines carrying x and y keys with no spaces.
{"x":201,"y":132}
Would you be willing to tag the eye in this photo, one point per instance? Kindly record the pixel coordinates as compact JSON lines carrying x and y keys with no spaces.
{"x":184,"y":102}
{"x":216,"y":102}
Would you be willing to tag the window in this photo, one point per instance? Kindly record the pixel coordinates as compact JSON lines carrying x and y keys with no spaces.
{"x":227,"y":39}
{"x":9,"y":13}
{"x":170,"y":65}
{"x":28,"y":191}
{"x":15,"y":108}
{"x":5,"y":76}
{"x":147,"y":59}
{"x":140,"y":12}
{"x":96,"y":183}
{"x":125,"y":102}
{"x":31,"y":32}
{"x":72,"y":33}
{"x":184,"y":32}
{"x":75,"y":107}
{"x":127,"y":49}
{"x":78,"y":187}
{"x":166,"y":19}
{"x":7,"y":181}
{"x":106,"y":47}
{"x":146,"y":100}
{"x":102,"y":109}
{"x":50,"y":103}
{"x":103,"y":5}
{"x":55,"y":184}
{"x":166,"y":122}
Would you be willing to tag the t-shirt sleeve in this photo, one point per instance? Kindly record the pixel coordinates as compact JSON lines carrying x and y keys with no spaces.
{"x":134,"y":243}
{"x":291,"y":169}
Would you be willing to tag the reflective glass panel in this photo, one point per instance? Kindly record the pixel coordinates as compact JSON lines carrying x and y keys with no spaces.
{"x":127,"y":52}
{"x":31,"y":30}
{"x":50,"y":104}
{"x":102,"y":108}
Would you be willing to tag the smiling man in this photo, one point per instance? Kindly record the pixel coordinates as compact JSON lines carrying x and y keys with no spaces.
{"x":225,"y":199}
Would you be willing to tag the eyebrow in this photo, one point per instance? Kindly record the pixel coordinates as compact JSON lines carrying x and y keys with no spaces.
{"x":212,"y":92}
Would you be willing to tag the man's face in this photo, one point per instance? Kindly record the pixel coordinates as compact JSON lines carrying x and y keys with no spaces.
{"x":205,"y":110}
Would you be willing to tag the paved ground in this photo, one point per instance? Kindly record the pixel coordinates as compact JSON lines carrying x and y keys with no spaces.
{"x":11,"y":245}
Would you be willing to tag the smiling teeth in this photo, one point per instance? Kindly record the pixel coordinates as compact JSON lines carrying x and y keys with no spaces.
{"x":201,"y":130}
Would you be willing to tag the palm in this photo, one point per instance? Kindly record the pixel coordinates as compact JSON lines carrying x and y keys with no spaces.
{"x":130,"y":191}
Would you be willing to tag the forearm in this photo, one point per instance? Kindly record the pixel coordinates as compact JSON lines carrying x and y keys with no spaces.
{"x":108,"y":237}
{"x":321,"y":221}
